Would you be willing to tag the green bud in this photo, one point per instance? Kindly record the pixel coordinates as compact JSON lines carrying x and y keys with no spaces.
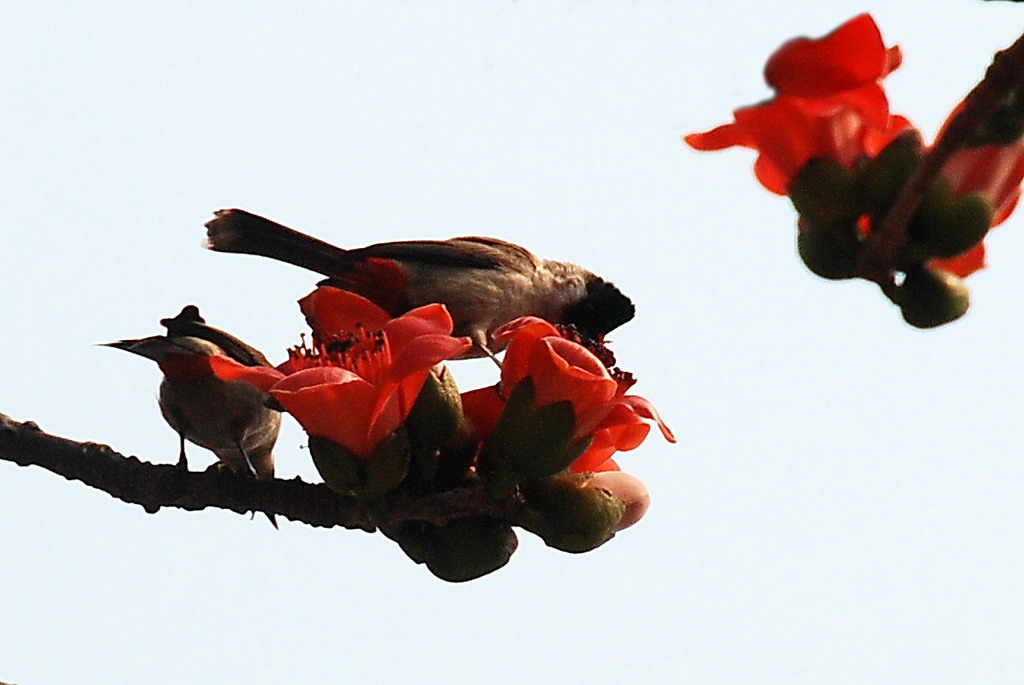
{"x":435,"y":422}
{"x":436,"y":413}
{"x":944,"y":226}
{"x":885,"y":175}
{"x":469,"y":548}
{"x":529,"y":441}
{"x":416,"y":538}
{"x":930,"y":297}
{"x":825,"y":192}
{"x":829,"y":251}
{"x":570,"y":514}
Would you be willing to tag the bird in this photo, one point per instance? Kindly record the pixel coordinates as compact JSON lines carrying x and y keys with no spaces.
{"x":232,"y":419}
{"x":483,"y":282}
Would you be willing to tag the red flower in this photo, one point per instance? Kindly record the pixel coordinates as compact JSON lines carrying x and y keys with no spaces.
{"x":993,"y":171}
{"x":829,"y":104}
{"x":564,"y":370}
{"x":850,"y":59}
{"x":359,"y":380}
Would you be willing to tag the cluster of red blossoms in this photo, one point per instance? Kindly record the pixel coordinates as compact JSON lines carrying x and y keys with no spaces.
{"x":386,"y":421}
{"x":829,"y":141}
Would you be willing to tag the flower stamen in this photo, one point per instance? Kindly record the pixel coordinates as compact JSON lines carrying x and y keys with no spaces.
{"x":364,"y":352}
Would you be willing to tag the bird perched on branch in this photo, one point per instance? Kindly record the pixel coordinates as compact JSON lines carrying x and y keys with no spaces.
{"x":229,"y":418}
{"x":484,"y":282}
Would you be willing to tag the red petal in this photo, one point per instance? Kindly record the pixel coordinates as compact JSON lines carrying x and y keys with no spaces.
{"x":524,"y":334}
{"x":403,"y":394}
{"x":578,"y":356}
{"x":429,"y":319}
{"x":388,"y":418}
{"x":963,"y":265}
{"x":555,"y":379}
{"x":720,"y":138}
{"x":851,"y":56}
{"x":596,"y":457}
{"x":332,"y":312}
{"x":537,"y":326}
{"x":262,"y":377}
{"x":784,"y":132}
{"x":423,"y":352}
{"x":483,"y":409}
{"x":643,"y":407}
{"x":1006,"y":209}
{"x":620,"y":424}
{"x":333,"y":403}
{"x":770,"y":176}
{"x":995,"y":171}
{"x":869,"y":102}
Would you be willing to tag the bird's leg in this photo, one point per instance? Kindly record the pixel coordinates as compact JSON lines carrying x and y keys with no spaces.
{"x":252,"y":470}
{"x":248,"y":462}
{"x":182,"y":460}
{"x":480,"y":342}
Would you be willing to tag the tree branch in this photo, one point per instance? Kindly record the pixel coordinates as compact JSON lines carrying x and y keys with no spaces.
{"x":881,"y":251}
{"x":153,"y":486}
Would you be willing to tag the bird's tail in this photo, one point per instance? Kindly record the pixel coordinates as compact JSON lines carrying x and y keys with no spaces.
{"x":236,"y":230}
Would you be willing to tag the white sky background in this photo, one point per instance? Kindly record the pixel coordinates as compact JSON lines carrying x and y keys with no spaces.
{"x":845,"y":504}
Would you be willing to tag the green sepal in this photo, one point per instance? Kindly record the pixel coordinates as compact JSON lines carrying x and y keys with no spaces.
{"x":568,"y":514}
{"x":529,"y":441}
{"x":463,"y":549}
{"x":347,"y":474}
{"x":438,"y":431}
{"x":341,"y":470}
{"x":930,"y":297}
{"x":824,"y":193}
{"x":827,"y":196}
{"x":387,"y":467}
{"x":944,"y":226}
{"x":884,"y":176}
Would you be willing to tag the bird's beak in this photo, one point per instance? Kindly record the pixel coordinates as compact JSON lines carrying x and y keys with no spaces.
{"x":120,"y":344}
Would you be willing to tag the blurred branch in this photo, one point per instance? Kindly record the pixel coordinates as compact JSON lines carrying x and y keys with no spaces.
{"x":1003,"y":76}
{"x":153,"y":486}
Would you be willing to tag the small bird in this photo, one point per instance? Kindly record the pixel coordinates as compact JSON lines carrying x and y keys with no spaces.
{"x":229,"y":418}
{"x":484,"y":282}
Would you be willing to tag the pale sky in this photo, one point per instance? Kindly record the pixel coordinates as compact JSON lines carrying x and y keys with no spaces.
{"x":846,"y":501}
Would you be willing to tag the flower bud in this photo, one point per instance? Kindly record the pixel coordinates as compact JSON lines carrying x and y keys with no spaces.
{"x":570,"y":512}
{"x":628,"y":488}
{"x":347,"y":474}
{"x":944,"y":226}
{"x":464,"y":549}
{"x":340,"y":468}
{"x":885,"y":175}
{"x":930,"y":297}
{"x":529,"y":441}
{"x":829,"y":251}
{"x":824,"y":192}
{"x":436,"y":425}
